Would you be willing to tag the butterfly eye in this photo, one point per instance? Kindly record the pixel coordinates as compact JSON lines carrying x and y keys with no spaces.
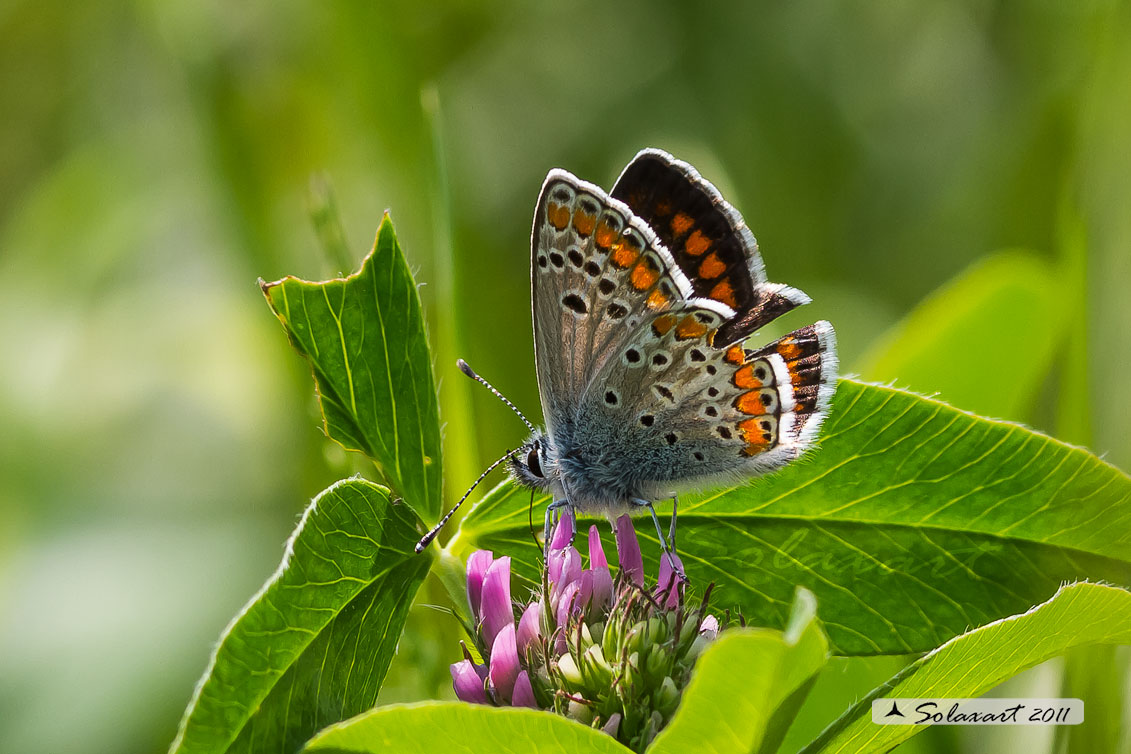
{"x":534,"y":464}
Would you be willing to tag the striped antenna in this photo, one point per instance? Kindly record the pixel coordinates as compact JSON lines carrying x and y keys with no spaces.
{"x":427,"y":538}
{"x":463,"y":367}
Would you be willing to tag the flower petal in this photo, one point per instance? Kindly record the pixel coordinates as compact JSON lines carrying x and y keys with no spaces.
{"x":709,"y":627}
{"x":467,"y":683}
{"x":568,"y":562}
{"x":529,"y":627}
{"x":567,"y":603}
{"x":602,"y":597}
{"x":669,"y":586}
{"x":504,"y":663}
{"x":477,"y":564}
{"x":628,"y":550}
{"x":596,"y":551}
{"x":523,"y":695}
{"x":496,"y":611}
{"x":563,"y":532}
{"x":585,"y":588}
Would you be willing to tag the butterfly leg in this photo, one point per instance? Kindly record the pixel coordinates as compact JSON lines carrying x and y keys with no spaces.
{"x":551,"y":518}
{"x":671,"y":528}
{"x":668,"y":551}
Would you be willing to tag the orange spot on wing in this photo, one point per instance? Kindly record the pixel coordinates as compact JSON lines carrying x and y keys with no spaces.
{"x":744,"y":378}
{"x":605,"y":235}
{"x":583,"y":222}
{"x":663,"y":208}
{"x":788,"y":349}
{"x":697,"y":243}
{"x":750,"y":403}
{"x":735,"y":355}
{"x":712,"y":267}
{"x":681,"y":223}
{"x":624,"y":254}
{"x":662,"y":324}
{"x":657,"y":299}
{"x":723,"y":292}
{"x":795,"y":377}
{"x":557,"y":215}
{"x":644,"y":275}
{"x":753,"y":433}
{"x":689,"y":327}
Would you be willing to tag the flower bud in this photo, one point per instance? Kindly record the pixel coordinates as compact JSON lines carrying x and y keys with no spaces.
{"x":656,"y":663}
{"x":477,"y":564}
{"x":523,"y":695}
{"x":529,"y":627}
{"x":567,"y":603}
{"x":594,"y":666}
{"x":563,"y":532}
{"x":657,"y":630}
{"x":667,"y":698}
{"x":504,"y":663}
{"x":582,"y":713}
{"x":602,"y":580}
{"x":467,"y":683}
{"x":628,"y":551}
{"x":495,"y":607}
{"x":632,"y":670}
{"x":569,"y":670}
{"x":565,"y":569}
{"x":597,"y":557}
{"x":669,"y":587}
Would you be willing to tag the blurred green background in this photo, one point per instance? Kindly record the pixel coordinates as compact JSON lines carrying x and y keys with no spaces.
{"x":158,"y":438}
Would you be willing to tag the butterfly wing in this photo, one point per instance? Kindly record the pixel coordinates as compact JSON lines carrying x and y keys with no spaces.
{"x":707,"y":238}
{"x":597,"y":272}
{"x":671,"y":411}
{"x":677,"y":402}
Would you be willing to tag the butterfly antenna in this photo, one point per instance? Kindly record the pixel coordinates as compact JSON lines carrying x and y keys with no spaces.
{"x":427,"y":538}
{"x":463,"y":367}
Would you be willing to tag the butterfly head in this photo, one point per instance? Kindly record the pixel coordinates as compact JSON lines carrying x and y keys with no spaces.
{"x":532,"y":464}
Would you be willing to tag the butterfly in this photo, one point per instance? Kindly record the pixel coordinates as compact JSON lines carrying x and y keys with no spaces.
{"x":642,"y":299}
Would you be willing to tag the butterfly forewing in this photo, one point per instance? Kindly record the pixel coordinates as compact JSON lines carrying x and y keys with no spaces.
{"x":597,"y":272}
{"x":707,"y":238}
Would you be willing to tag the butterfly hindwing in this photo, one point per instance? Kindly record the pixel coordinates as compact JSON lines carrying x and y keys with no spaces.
{"x":597,"y":272}
{"x":708,"y":239}
{"x":809,"y":355}
{"x":672,"y":411}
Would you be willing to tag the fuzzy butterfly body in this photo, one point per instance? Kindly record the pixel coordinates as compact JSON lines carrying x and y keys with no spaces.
{"x":642,"y":300}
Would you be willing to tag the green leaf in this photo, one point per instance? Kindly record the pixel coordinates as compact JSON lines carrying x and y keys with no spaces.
{"x":313,"y":646}
{"x":747,"y":686}
{"x":457,"y":728}
{"x":364,"y":337}
{"x":912,"y":522}
{"x":971,"y":664}
{"x":947,"y":344}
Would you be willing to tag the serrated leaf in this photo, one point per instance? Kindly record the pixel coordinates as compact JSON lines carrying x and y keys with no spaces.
{"x":1078,"y":615}
{"x":911,"y":523}
{"x":364,"y":337}
{"x":459,"y":728}
{"x":313,"y":646}
{"x":747,"y":686}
